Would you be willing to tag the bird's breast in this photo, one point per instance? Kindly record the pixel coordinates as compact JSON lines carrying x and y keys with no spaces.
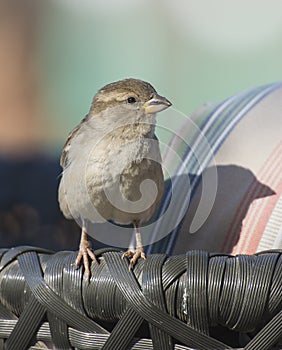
{"x":121,"y":181}
{"x":129,"y":180}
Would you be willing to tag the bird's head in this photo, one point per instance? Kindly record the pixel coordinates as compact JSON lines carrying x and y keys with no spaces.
{"x":132,"y":97}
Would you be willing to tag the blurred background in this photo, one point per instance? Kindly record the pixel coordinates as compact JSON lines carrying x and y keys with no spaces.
{"x":55,"y":55}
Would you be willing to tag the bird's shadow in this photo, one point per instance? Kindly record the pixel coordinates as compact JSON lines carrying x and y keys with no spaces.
{"x":237,"y":188}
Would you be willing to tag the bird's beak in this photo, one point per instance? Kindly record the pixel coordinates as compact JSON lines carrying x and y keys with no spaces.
{"x":156,"y":104}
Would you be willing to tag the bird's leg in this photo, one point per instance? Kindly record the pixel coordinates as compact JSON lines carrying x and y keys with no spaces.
{"x":139,"y":251}
{"x":84,"y":251}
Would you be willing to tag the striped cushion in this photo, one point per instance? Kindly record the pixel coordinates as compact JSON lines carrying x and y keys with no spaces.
{"x":233,"y":160}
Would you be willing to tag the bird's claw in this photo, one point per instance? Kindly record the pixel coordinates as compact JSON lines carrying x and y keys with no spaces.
{"x":134,"y":255}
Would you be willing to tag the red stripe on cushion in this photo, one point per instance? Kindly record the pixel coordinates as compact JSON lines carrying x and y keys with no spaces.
{"x":259,"y":211}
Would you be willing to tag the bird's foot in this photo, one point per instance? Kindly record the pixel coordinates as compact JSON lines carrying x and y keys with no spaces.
{"x":85,"y":251}
{"x":134,"y":255}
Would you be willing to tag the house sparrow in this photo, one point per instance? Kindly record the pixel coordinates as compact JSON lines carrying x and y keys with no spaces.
{"x":108,"y":160}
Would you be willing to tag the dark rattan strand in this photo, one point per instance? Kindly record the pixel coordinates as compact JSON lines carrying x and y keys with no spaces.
{"x":153,"y":291}
{"x":164,"y":303}
{"x":196,"y":290}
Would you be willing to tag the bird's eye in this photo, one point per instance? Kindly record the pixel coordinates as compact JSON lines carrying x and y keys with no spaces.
{"x":131,"y":99}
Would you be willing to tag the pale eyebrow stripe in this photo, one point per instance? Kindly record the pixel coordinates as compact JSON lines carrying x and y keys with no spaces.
{"x":114,"y":96}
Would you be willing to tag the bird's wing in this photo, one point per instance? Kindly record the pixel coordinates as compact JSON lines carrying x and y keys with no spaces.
{"x":67,"y":145}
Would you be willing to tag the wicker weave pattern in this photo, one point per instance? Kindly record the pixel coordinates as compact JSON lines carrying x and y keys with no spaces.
{"x":165,"y":303}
